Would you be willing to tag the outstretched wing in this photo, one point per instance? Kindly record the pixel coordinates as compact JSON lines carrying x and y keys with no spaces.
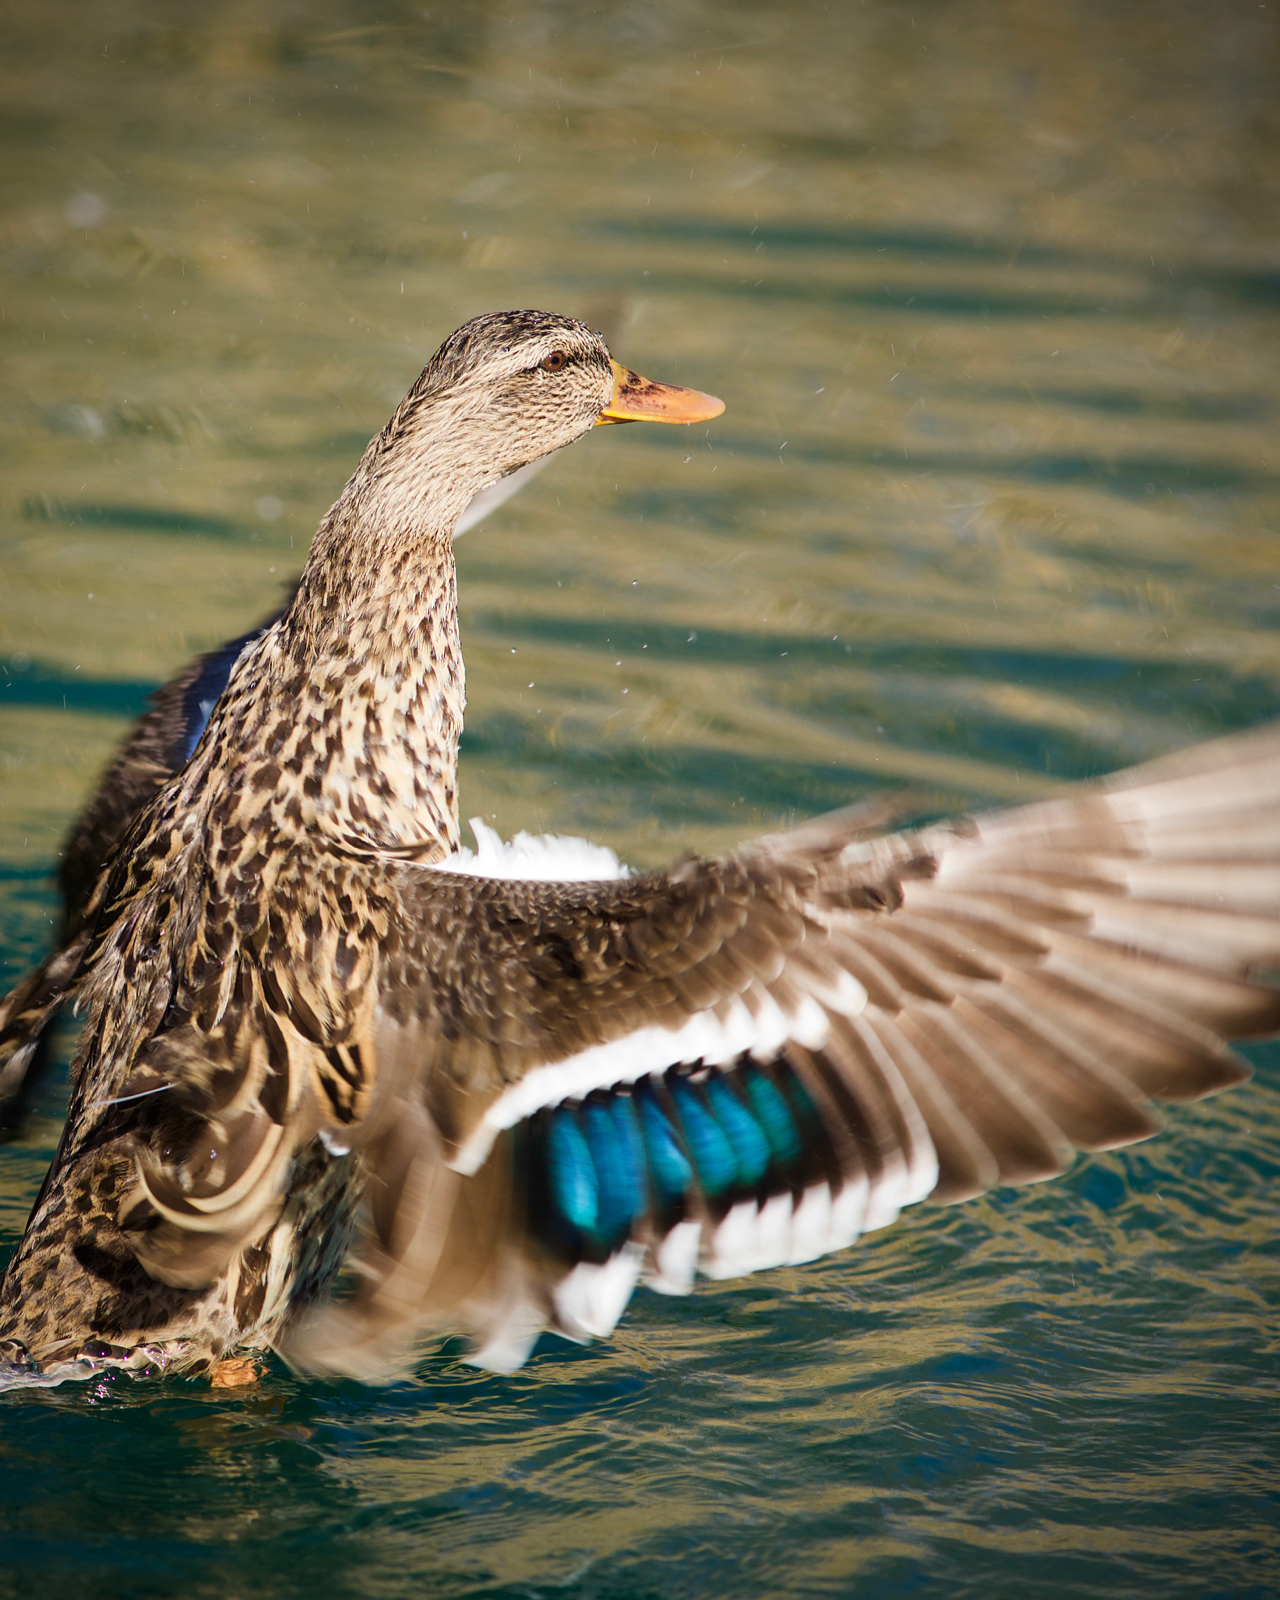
{"x":746,"y":1062}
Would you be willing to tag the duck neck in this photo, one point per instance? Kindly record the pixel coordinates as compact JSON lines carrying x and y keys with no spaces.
{"x":368,"y":663}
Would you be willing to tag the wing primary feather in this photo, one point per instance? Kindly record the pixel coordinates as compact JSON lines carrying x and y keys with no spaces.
{"x":1026,"y":1142}
{"x":1164,"y":1055}
{"x":966,"y":1165}
{"x":1095,"y":1106}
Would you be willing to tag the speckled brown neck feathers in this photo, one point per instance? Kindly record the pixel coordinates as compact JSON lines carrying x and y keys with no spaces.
{"x":343,"y":720}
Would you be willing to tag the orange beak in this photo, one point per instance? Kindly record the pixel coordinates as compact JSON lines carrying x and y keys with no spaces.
{"x":637,"y":399}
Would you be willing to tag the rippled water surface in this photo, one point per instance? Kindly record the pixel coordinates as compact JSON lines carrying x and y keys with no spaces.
{"x":991,"y":292}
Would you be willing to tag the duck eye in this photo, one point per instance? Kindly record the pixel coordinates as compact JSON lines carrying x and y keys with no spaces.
{"x":555,"y":361}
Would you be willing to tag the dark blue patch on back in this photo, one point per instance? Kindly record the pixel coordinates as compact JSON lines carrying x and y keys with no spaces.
{"x":206,"y":689}
{"x":635,"y":1159}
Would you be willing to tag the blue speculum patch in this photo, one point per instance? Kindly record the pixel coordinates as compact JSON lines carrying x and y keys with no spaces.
{"x":643,"y":1155}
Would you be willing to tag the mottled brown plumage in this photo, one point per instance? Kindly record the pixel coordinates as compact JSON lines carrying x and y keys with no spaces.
{"x":302,"y":1032}
{"x":158,"y":745}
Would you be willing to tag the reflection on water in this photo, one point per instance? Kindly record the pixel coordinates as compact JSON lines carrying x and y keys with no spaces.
{"x":991,"y":291}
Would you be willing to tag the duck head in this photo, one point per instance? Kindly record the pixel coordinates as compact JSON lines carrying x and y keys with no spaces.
{"x":508,"y":388}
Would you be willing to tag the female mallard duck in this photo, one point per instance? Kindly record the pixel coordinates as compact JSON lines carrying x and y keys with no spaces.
{"x":313,"y":1028}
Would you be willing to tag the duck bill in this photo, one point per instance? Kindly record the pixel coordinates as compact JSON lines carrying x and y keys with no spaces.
{"x":637,"y":399}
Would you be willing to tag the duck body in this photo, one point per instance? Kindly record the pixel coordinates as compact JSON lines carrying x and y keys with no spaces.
{"x":314,"y":1033}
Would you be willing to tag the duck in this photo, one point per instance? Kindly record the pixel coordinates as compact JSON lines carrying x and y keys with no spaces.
{"x":497,"y":1091}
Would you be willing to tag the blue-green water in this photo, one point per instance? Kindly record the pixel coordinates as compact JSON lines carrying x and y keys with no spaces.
{"x":1068,"y":1392}
{"x":992,"y":293}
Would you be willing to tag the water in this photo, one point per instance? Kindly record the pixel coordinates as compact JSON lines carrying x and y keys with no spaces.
{"x":991,"y":292}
